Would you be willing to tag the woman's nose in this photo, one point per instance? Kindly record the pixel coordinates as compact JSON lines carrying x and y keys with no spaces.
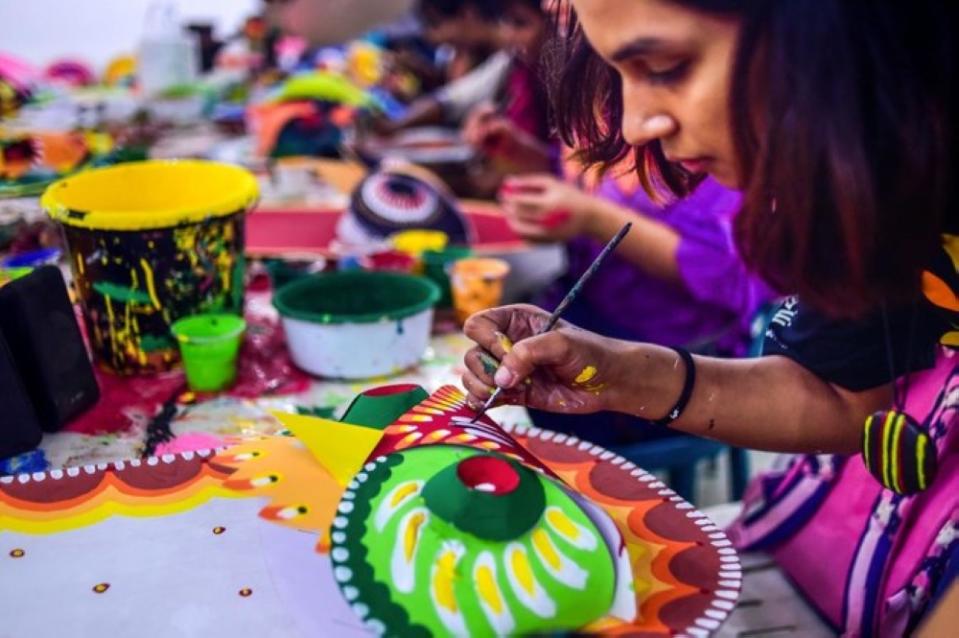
{"x":643,"y":120}
{"x":639,"y":130}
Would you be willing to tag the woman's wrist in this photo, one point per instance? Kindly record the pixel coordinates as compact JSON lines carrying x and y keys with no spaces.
{"x":651,"y":380}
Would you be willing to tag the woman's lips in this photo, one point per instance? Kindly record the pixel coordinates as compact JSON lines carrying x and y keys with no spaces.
{"x":695,"y":165}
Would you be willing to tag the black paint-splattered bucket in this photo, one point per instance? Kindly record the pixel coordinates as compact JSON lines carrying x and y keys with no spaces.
{"x":151,"y":242}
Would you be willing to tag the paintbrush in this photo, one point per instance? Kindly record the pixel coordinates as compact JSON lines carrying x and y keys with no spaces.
{"x":565,"y":303}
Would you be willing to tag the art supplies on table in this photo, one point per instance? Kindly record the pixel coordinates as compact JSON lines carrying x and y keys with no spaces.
{"x":45,"y":373}
{"x":477,"y":284}
{"x":437,"y":265}
{"x":357,"y":324}
{"x":359,"y":528}
{"x":209,"y":347}
{"x":43,"y":341}
{"x":387,"y":203}
{"x":438,"y":151}
{"x":149,"y":243}
{"x":296,"y":231}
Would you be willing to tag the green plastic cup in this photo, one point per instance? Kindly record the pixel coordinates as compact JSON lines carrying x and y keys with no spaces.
{"x":209,"y":345}
{"x":436,"y":265}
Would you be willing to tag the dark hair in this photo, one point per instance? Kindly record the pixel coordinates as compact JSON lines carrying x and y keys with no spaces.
{"x":489,"y":10}
{"x":842,"y":120}
{"x":535,"y":6}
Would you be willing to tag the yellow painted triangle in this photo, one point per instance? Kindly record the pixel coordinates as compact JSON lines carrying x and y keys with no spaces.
{"x":340,"y":448}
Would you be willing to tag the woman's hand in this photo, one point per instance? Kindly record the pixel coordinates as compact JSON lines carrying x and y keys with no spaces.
{"x":484,"y":126}
{"x":543,"y":208}
{"x":769,"y":403}
{"x":507,"y":147}
{"x":565,"y":370}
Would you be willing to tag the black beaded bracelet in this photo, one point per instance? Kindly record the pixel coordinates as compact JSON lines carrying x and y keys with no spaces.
{"x":687,"y":391}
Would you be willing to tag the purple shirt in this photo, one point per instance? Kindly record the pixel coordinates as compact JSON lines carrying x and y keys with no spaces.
{"x":719,"y":299}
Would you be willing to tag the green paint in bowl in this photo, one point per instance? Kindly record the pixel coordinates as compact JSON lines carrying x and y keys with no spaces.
{"x":356,"y":297}
{"x":357,"y":324}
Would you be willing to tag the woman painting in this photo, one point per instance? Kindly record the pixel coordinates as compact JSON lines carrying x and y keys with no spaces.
{"x":835,"y":119}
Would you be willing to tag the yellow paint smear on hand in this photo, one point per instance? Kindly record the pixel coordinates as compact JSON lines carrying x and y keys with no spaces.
{"x":586,"y":375}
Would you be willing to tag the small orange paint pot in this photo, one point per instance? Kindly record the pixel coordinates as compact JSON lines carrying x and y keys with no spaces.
{"x":477,"y":284}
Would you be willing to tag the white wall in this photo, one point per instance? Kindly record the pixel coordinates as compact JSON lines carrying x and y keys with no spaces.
{"x":96,"y":30}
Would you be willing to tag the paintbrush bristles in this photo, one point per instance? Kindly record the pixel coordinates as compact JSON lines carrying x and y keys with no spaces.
{"x":567,"y":300}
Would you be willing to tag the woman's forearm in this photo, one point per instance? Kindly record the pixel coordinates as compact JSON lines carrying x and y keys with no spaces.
{"x":768,"y":403}
{"x":651,"y":246}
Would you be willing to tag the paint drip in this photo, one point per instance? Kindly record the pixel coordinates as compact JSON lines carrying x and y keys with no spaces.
{"x":134,"y":284}
{"x":586,"y":375}
{"x":505,"y":342}
{"x":490,"y":365}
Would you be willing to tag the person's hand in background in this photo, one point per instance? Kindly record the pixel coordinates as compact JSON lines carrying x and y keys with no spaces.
{"x":544,"y":208}
{"x":508,"y":148}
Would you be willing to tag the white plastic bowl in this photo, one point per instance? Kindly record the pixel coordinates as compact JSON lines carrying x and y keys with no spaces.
{"x":357,"y":325}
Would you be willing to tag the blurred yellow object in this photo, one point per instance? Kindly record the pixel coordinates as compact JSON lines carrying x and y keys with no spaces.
{"x":120,"y":71}
{"x":152,"y":194}
{"x":477,"y":285}
{"x":340,"y":448}
{"x":98,"y":143}
{"x":365,"y":63}
{"x":9,"y":100}
{"x":343,"y":175}
{"x":417,"y":242}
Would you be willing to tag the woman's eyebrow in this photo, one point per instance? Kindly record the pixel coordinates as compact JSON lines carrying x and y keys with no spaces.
{"x":639,"y":46}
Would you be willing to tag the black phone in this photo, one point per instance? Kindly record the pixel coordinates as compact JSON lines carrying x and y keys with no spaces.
{"x":41,"y":330}
{"x":19,"y":428}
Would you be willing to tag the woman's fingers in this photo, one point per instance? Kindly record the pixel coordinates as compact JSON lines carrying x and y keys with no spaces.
{"x":495,"y":137}
{"x":495,"y":330}
{"x":478,"y":392}
{"x":482,"y":364}
{"x":530,"y":182}
{"x":550,"y":349}
{"x":531,"y":215}
{"x":500,"y":330}
{"x":529,"y":200}
{"x":476,"y":388}
{"x":532,"y":231}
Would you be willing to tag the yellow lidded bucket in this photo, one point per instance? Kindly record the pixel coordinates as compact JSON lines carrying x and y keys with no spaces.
{"x":151,"y":242}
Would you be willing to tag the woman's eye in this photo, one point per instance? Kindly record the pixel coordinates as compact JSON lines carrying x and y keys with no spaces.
{"x":668,"y":75}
